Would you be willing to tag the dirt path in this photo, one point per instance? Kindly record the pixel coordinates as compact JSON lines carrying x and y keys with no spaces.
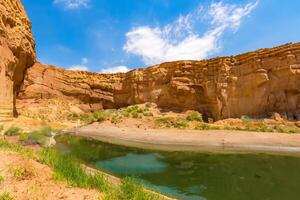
{"x":191,"y":140}
{"x":26,"y":179}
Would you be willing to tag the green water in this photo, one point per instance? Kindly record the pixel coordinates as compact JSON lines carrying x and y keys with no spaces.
{"x":194,"y":175}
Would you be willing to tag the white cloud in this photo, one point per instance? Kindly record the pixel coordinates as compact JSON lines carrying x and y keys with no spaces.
{"x":82,"y":66}
{"x":113,"y":70}
{"x":180,"y":40}
{"x":84,"y":61}
{"x":73,"y":4}
{"x":79,"y":68}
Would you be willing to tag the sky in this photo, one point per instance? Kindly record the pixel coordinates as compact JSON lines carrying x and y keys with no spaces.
{"x":110,"y":36}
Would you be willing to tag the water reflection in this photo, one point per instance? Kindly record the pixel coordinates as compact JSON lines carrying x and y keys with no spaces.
{"x":195,"y":176}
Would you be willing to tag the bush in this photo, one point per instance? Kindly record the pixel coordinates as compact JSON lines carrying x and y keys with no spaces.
{"x":147,"y":114}
{"x":13,"y":131}
{"x":182,"y":124}
{"x":6,"y":196}
{"x":1,"y":179}
{"x":246,"y":119}
{"x":23,"y":137}
{"x":1,"y":128}
{"x":165,"y":121}
{"x":116,"y":118}
{"x":99,"y":116}
{"x":202,"y":126}
{"x":195,"y":116}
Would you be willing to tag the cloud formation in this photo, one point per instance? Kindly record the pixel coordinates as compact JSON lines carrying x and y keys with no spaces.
{"x":113,"y":70}
{"x":180,"y":40}
{"x":81,"y":67}
{"x":73,"y":4}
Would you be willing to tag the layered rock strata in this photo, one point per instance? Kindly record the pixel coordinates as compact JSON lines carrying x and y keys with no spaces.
{"x":17,"y":53}
{"x":255,"y":84}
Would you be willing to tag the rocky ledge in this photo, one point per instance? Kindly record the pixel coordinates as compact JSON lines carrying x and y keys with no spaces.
{"x":255,"y":84}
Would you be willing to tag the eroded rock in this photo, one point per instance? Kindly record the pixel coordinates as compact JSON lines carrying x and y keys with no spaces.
{"x":252,"y":84}
{"x":17,"y":53}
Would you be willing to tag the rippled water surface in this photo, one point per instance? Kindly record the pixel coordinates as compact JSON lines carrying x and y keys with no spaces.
{"x":187,"y":175}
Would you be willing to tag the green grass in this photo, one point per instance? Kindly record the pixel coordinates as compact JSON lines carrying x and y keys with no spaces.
{"x":39,"y":136}
{"x":130,"y":189}
{"x":20,"y":173}
{"x":1,"y":179}
{"x":1,"y":128}
{"x":13,"y":131}
{"x":171,"y":122}
{"x":147,"y":114}
{"x":195,"y":116}
{"x":6,"y":196}
{"x":246,"y":119}
{"x":67,"y":169}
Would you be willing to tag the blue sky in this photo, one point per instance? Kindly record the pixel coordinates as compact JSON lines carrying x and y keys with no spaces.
{"x":117,"y":35}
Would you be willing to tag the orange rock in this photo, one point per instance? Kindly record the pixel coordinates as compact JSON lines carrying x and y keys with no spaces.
{"x":252,"y":84}
{"x":17,"y":52}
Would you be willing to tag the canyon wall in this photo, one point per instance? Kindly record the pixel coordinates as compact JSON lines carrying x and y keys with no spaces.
{"x":253,"y":84}
{"x":17,"y":53}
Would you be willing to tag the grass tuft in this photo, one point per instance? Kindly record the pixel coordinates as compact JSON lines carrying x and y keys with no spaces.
{"x":13,"y":131}
{"x":6,"y":196}
{"x":195,"y":116}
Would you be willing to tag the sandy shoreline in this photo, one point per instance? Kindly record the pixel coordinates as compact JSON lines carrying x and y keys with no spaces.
{"x":191,"y":140}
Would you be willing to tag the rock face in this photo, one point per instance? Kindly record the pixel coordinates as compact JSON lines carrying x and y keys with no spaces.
{"x":17,"y":53}
{"x":255,"y":84}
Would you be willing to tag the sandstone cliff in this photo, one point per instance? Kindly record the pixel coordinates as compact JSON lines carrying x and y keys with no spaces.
{"x":253,"y":84}
{"x":17,"y":53}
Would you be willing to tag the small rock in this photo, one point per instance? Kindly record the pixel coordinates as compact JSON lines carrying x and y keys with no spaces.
{"x":276,"y":116}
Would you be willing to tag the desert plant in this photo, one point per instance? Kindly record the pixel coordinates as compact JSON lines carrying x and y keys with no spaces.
{"x":21,"y":173}
{"x":147,"y":114}
{"x":202,"y":126}
{"x":182,"y":124}
{"x":116,"y":118}
{"x":165,"y":121}
{"x":1,"y":179}
{"x":23,"y":137}
{"x":99,"y":116}
{"x":6,"y":196}
{"x":1,"y":128}
{"x":195,"y":116}
{"x":246,"y":119}
{"x":13,"y":131}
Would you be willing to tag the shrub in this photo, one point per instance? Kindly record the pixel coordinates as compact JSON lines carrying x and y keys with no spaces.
{"x":246,"y":119}
{"x":13,"y":131}
{"x":1,"y":128}
{"x":202,"y":126}
{"x":181,"y":124}
{"x":23,"y":137}
{"x":134,"y":109}
{"x":116,"y":118}
{"x":99,"y":116}
{"x":165,"y":121}
{"x":6,"y":196}
{"x":195,"y":116}
{"x":73,"y":117}
{"x":1,"y":179}
{"x":21,"y":173}
{"x":147,"y":114}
